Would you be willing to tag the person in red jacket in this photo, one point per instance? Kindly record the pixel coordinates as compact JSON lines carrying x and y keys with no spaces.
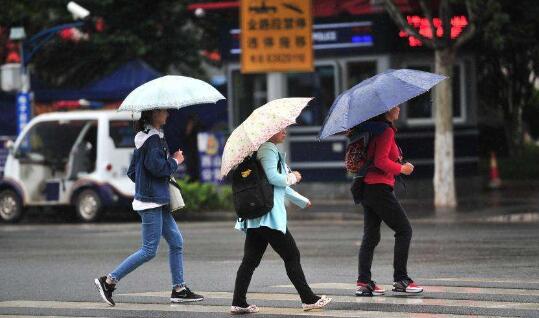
{"x":380,"y":204}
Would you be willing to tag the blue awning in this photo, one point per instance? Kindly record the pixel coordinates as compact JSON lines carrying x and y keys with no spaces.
{"x":115,"y":86}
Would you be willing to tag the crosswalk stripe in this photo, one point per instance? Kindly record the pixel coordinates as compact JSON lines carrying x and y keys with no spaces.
{"x":481,"y":280}
{"x":23,"y":316}
{"x":433,"y":289}
{"x":415,"y":301}
{"x":213,"y":309}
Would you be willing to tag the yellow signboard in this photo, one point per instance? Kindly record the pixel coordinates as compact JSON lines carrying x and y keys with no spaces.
{"x":276,"y":36}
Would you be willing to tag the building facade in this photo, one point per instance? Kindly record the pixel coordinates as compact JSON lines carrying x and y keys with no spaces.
{"x":351,"y":44}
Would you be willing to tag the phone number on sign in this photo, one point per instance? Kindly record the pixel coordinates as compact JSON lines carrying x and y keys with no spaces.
{"x":278,"y":58}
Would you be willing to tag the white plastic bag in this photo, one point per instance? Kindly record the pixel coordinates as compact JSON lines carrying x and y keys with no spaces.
{"x":176,"y":199}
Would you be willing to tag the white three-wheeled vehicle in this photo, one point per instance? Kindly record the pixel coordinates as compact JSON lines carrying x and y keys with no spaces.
{"x":75,"y":159}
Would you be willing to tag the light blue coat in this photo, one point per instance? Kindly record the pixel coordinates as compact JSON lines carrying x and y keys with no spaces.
{"x":268,"y":154}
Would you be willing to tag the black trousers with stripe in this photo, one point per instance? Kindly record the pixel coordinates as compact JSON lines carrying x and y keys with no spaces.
{"x":380,"y":204}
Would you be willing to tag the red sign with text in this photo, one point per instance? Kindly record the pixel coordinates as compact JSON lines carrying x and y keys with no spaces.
{"x":458,"y":23}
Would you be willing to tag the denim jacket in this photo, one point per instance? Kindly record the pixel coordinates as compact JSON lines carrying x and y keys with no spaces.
{"x":151,"y":168}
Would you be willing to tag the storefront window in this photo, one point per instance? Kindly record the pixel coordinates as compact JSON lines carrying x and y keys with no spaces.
{"x":122,"y":133}
{"x":359,"y":71}
{"x":457,"y":109}
{"x":249,"y":92}
{"x":319,"y":84}
{"x":421,"y":107}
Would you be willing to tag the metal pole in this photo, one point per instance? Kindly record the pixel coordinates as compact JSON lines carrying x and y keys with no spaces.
{"x":277,"y":89}
{"x":24,"y":98}
{"x":25,"y":76}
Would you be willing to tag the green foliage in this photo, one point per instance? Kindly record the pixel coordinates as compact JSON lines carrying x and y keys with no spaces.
{"x":161,"y":32}
{"x":508,"y":62}
{"x":226,"y":197}
{"x":531,"y":116}
{"x":214,"y":26}
{"x":205,"y":196}
{"x":521,"y":167}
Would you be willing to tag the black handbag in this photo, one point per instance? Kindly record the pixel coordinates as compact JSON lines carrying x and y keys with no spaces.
{"x":358,"y":184}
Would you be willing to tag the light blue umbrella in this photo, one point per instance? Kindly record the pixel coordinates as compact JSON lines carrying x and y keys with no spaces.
{"x":170,"y":92}
{"x":375,"y":96}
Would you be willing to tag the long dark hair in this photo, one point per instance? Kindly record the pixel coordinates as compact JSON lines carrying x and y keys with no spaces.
{"x":382,"y":117}
{"x":145,"y":120}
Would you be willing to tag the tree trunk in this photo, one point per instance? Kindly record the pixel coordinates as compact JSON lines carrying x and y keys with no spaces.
{"x":444,"y":158}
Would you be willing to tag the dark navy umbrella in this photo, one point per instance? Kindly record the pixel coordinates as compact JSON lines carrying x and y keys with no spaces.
{"x":375,"y":96}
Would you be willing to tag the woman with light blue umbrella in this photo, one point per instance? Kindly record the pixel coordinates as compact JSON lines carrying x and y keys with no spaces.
{"x":170,"y":92}
{"x":150,"y":169}
{"x":370,"y":109}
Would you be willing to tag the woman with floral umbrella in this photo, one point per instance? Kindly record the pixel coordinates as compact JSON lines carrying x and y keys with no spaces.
{"x":261,"y":132}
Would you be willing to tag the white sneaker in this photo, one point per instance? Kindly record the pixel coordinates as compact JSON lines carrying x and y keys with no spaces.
{"x":251,"y":309}
{"x":321,"y":303}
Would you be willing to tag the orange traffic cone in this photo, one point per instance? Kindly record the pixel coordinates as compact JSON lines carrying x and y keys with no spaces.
{"x":495,"y":182}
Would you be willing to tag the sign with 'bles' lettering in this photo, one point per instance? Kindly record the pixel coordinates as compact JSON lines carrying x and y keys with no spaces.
{"x":276,"y":36}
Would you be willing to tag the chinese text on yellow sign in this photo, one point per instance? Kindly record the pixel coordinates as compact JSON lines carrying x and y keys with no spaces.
{"x":276,"y":36}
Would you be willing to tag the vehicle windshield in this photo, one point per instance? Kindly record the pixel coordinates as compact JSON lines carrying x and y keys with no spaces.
{"x":50,"y":142}
{"x":122,"y":133}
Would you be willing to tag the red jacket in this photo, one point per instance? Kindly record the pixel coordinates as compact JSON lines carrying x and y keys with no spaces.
{"x":386,"y":155}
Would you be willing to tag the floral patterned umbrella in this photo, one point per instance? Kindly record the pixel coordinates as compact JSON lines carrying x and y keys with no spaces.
{"x":264,"y":122}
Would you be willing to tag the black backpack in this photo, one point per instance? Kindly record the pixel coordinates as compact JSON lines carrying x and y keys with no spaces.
{"x":251,"y":191}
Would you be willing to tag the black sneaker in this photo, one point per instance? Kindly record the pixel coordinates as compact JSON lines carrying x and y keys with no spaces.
{"x":105,"y":290}
{"x":185,"y":295}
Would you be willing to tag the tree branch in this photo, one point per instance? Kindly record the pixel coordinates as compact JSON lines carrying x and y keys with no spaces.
{"x":397,"y":17}
{"x":469,"y":32}
{"x":427,"y":12}
{"x":444,"y":11}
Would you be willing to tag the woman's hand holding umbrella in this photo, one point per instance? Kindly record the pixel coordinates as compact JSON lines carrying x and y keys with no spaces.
{"x":297,"y":175}
{"x":407,"y":169}
{"x":178,"y":155}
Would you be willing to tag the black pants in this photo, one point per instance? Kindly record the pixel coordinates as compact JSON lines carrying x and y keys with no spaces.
{"x":380,"y":204}
{"x":256,"y":243}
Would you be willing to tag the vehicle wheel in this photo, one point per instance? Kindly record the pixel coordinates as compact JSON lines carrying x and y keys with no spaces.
{"x":11,"y":209}
{"x":88,"y":206}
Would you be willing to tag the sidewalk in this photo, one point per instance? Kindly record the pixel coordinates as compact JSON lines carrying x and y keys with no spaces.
{"x":518,"y":200}
{"x":474,"y":199}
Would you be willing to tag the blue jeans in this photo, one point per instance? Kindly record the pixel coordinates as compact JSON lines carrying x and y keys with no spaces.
{"x":155,"y":222}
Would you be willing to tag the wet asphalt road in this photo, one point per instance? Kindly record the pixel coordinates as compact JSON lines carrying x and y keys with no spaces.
{"x":476,"y":266}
